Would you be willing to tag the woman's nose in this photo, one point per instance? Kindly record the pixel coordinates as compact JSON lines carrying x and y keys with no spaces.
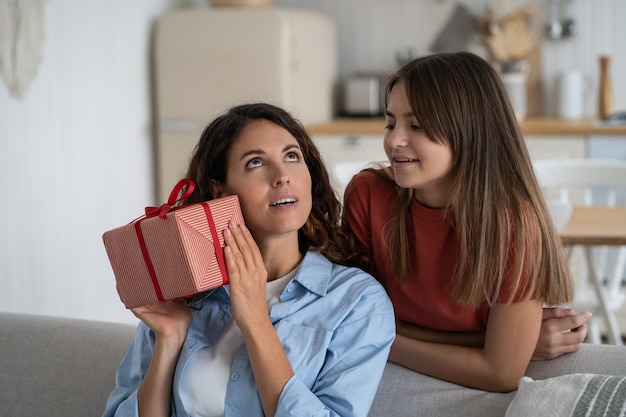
{"x":281,"y":176}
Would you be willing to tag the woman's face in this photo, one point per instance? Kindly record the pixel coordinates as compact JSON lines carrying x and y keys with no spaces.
{"x":417,"y":161}
{"x":266,"y":169}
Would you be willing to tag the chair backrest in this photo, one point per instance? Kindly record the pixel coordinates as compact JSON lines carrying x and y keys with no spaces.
{"x":576,"y":180}
{"x":342,"y":173}
{"x":599,"y":182}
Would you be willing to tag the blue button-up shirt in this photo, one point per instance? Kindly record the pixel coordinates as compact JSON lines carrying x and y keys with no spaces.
{"x":336,"y":325}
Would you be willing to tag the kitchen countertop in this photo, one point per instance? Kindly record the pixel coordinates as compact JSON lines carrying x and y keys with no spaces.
{"x":546,"y":126}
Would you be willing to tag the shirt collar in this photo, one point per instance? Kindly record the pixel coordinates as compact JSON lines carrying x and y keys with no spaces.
{"x":314,"y":273}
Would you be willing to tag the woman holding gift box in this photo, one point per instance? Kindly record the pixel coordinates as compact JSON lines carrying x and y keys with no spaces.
{"x":295,"y":331}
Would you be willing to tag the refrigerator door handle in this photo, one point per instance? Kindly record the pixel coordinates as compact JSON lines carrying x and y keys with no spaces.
{"x":178,"y":125}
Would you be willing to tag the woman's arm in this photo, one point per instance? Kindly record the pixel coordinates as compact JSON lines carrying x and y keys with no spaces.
{"x":248,"y":281}
{"x":144,"y":377}
{"x":169,"y":321}
{"x":510,"y":339}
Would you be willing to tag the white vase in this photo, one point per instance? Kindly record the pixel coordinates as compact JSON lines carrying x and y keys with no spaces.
{"x":514,"y":75}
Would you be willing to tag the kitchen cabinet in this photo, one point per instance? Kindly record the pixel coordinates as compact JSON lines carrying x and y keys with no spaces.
{"x":345,"y":155}
{"x":556,"y":147}
{"x":348,"y":144}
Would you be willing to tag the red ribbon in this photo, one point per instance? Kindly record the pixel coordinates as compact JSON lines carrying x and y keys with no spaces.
{"x":173,"y":199}
{"x":216,"y":240}
{"x":162,"y":212}
{"x":148,"y":262}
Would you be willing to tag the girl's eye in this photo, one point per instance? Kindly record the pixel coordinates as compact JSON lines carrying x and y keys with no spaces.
{"x":416,"y":127}
{"x":253,"y":163}
{"x":389,"y":127}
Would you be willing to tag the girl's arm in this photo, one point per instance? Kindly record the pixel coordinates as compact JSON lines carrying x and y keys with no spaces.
{"x":510,"y":339}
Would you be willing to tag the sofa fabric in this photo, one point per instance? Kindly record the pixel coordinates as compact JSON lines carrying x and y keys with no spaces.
{"x":57,"y":367}
{"x":403,"y":393}
{"x":60,"y":367}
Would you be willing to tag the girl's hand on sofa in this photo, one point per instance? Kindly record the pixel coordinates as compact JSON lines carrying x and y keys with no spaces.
{"x":562,"y":331}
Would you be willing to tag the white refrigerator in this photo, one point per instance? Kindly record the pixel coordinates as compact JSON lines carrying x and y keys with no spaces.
{"x":206,"y":60}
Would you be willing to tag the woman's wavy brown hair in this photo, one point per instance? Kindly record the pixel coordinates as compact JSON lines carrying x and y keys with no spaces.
{"x":496,"y":202}
{"x":321,"y":231}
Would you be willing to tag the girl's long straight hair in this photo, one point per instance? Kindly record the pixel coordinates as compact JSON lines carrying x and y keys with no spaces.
{"x":496,"y":206}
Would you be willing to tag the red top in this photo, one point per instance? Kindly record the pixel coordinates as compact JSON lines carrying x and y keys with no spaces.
{"x":426,"y":298}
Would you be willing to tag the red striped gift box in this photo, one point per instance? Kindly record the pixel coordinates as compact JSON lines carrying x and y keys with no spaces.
{"x":171,"y":252}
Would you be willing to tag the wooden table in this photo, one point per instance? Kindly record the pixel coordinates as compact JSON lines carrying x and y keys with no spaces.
{"x":594,"y":226}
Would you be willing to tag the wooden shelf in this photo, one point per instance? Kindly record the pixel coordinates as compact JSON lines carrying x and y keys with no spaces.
{"x":530,"y":126}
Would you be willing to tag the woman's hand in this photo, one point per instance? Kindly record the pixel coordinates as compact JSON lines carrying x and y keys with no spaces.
{"x":247,"y":278}
{"x":168,"y":319}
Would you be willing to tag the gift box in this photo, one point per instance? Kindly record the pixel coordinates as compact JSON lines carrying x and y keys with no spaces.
{"x":171,"y":251}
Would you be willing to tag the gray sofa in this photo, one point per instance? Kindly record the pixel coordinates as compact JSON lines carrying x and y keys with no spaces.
{"x":57,"y":367}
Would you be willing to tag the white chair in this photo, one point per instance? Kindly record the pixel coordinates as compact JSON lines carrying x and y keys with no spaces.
{"x":588,"y":182}
{"x":342,"y":173}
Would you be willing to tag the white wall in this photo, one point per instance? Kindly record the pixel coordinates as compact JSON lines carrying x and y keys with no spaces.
{"x":76,"y":150}
{"x":75,"y":158}
{"x":371,"y":31}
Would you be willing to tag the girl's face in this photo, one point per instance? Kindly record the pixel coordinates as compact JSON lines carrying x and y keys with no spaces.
{"x":417,"y":161}
{"x":267,"y":171}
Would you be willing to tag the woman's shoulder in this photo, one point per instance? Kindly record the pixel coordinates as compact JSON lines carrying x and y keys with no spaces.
{"x":350,"y":279}
{"x":355,"y":284}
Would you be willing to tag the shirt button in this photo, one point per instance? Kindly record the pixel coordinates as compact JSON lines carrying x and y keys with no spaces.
{"x":234,"y":376}
{"x":290,"y":287}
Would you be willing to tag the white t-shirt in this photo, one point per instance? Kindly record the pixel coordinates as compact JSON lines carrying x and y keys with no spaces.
{"x":203,"y":384}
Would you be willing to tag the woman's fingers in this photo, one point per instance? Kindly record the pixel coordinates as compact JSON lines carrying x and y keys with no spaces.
{"x":243,"y":248}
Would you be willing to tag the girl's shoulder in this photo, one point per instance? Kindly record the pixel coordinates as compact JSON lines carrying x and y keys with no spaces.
{"x":371,"y":181}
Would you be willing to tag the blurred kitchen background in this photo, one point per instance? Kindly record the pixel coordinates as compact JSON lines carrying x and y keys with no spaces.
{"x":79,"y":128}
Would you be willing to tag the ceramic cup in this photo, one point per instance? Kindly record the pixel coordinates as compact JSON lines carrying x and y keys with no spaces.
{"x":571,"y":91}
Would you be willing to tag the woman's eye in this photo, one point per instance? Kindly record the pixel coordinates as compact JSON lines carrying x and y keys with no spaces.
{"x":389,"y":127}
{"x":293,"y":157}
{"x":253,"y":163}
{"x":416,"y":127}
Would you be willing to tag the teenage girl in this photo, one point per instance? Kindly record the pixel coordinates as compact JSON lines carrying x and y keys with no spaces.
{"x":456,"y":227}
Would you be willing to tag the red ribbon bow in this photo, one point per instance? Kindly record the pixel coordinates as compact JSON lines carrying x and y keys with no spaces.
{"x":173,"y":199}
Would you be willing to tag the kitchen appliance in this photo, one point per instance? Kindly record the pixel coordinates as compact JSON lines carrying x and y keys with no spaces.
{"x":362,"y":95}
{"x":208,"y":60}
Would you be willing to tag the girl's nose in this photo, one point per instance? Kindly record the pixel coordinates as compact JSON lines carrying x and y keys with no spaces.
{"x":396,"y":138}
